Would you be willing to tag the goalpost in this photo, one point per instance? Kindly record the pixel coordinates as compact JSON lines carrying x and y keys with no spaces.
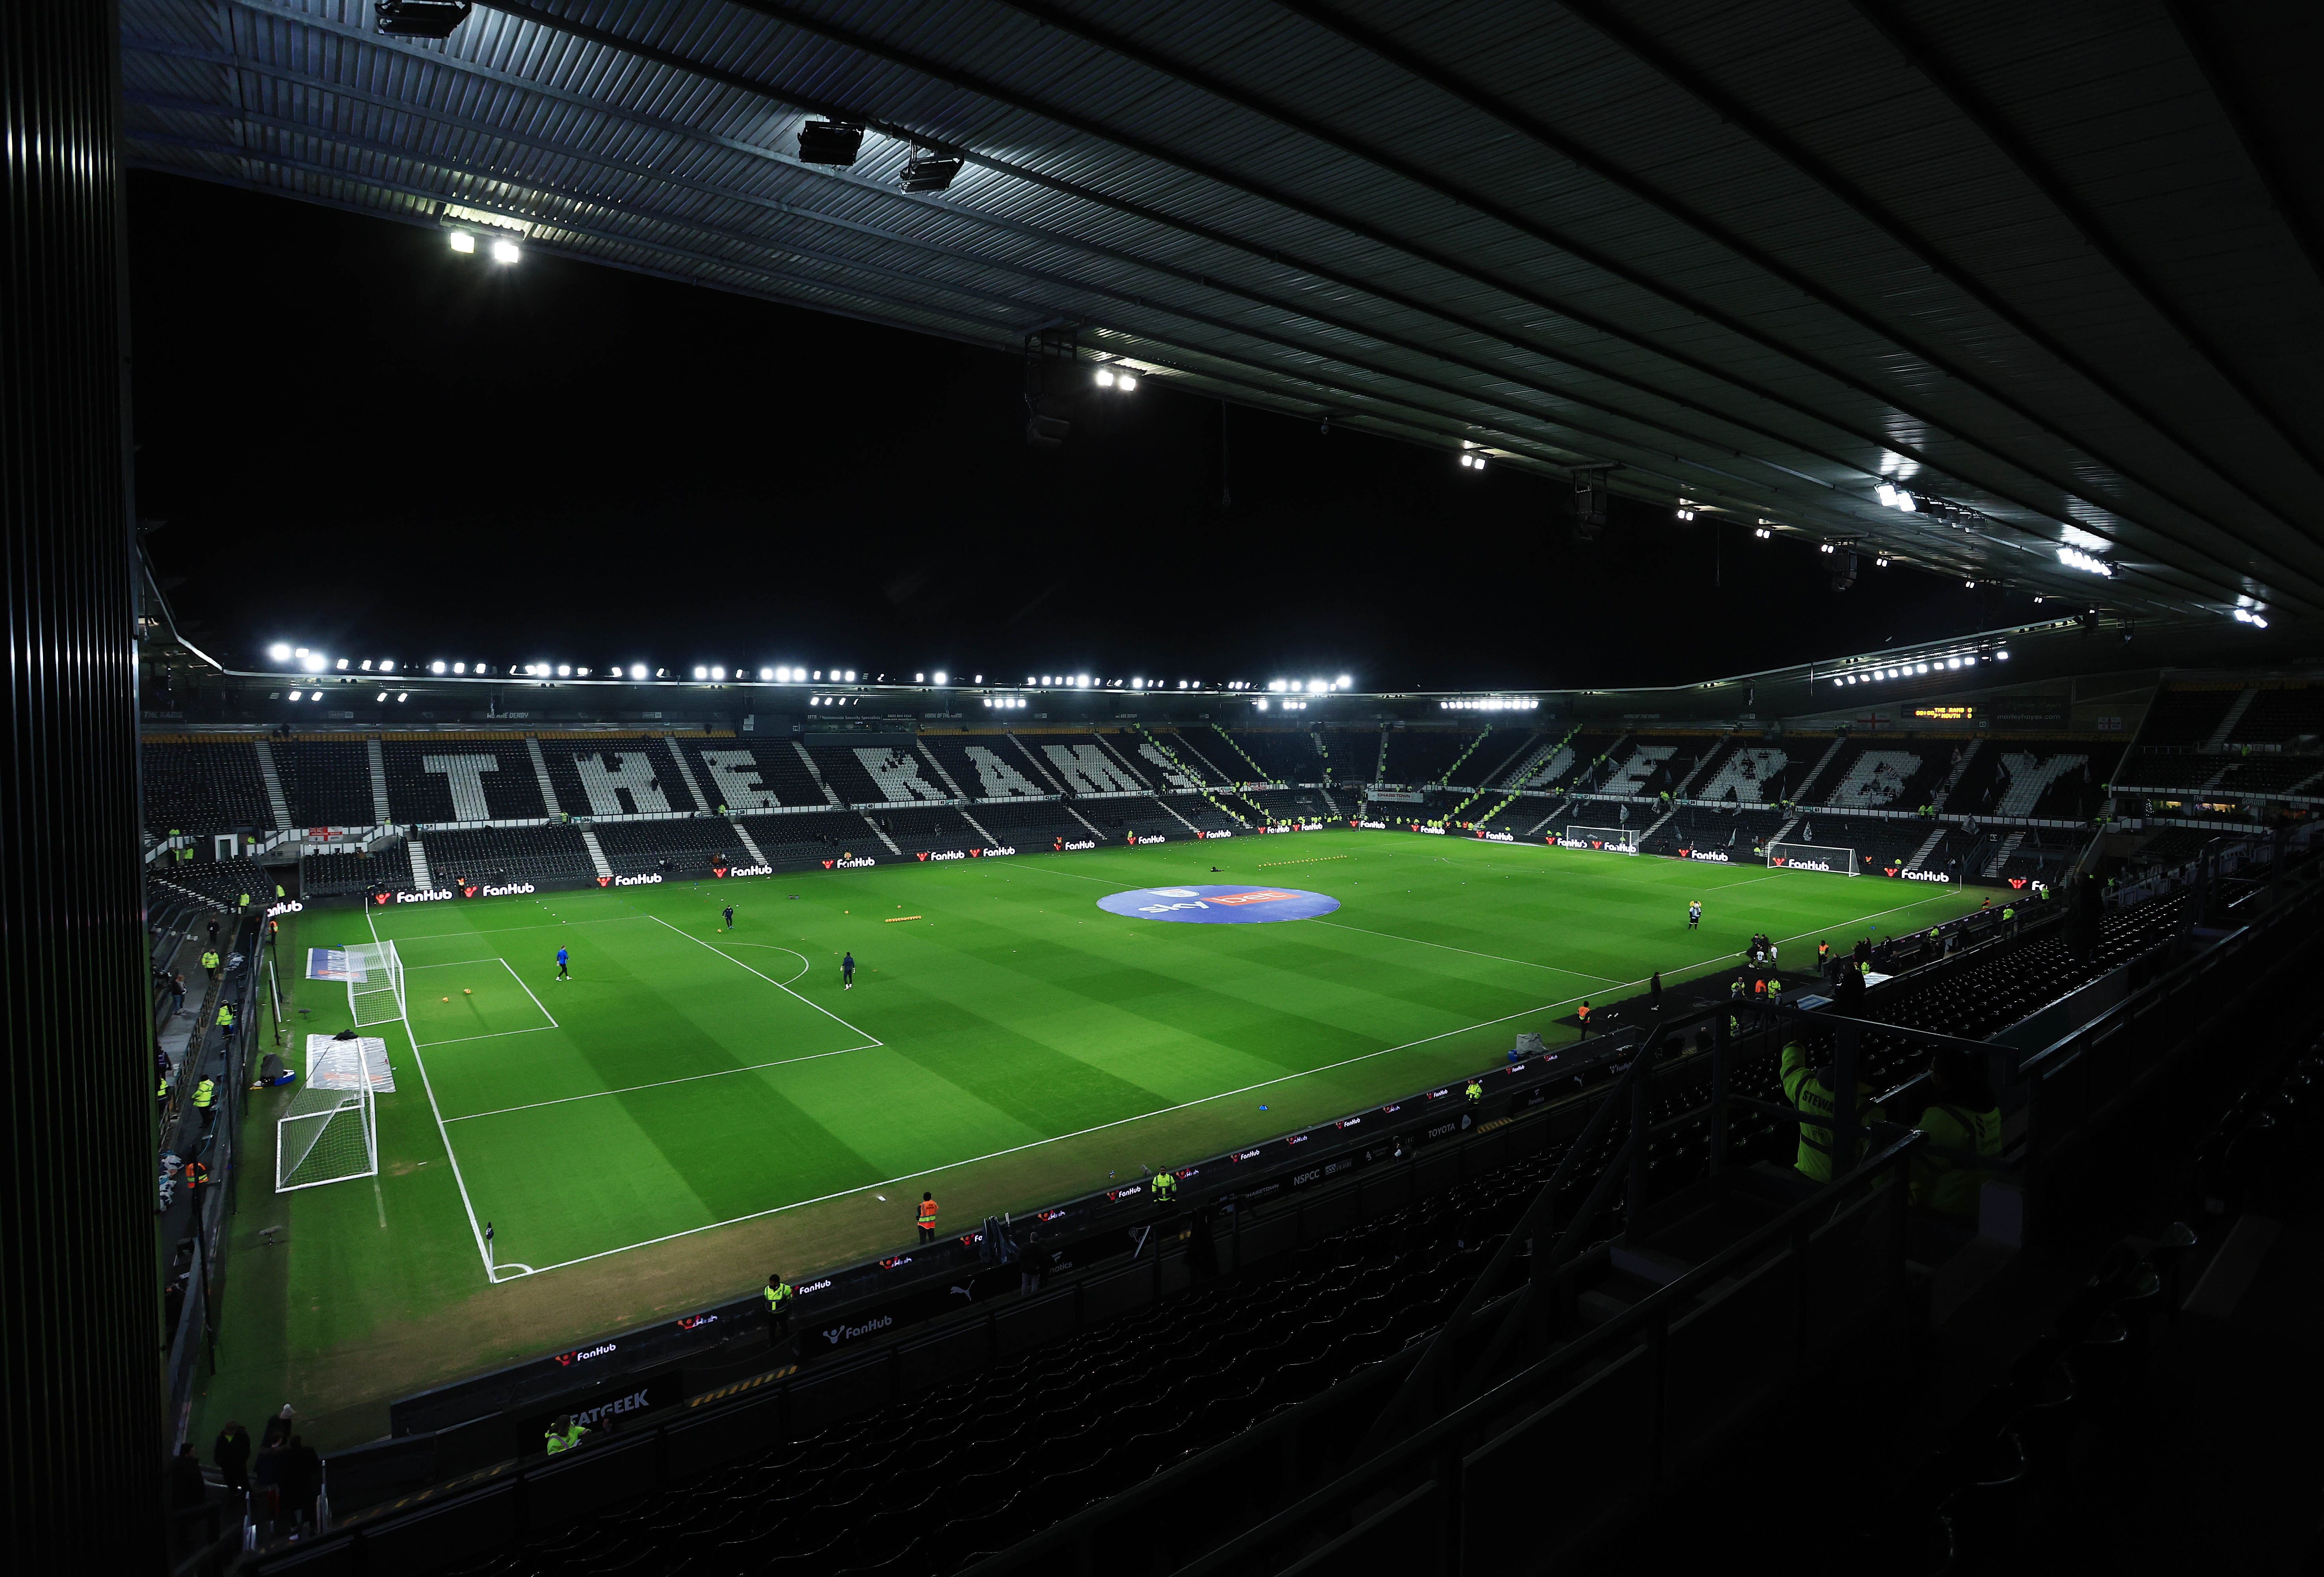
{"x":328,"y":1136}
{"x":1613,"y":840}
{"x":374,"y":983}
{"x":1828,"y":857}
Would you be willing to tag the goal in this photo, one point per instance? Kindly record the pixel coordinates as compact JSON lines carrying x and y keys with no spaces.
{"x":374,"y":983}
{"x":1839,"y":862}
{"x":1613,"y":840}
{"x":326,"y":1136}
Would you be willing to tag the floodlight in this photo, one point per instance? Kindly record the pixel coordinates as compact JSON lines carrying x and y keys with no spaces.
{"x":296,"y":694}
{"x":717,"y":673}
{"x":1761,"y":532}
{"x":940,"y":679}
{"x":1886,"y":495}
{"x":312,"y":661}
{"x":1921,"y":667}
{"x":929,"y":171}
{"x":386,"y":667}
{"x":1881,"y":562}
{"x":637,"y":670}
{"x":460,"y":668}
{"x":367,"y":665}
{"x":505,"y":251}
{"x":563,"y":670}
{"x":279,"y":652}
{"x":766,"y":673}
{"x":700,"y":672}
{"x":402,"y":694}
{"x":851,"y":676}
{"x":1904,"y":502}
{"x":463,"y":242}
{"x":829,"y":143}
{"x":1126,"y":381}
{"x":1105,"y":377}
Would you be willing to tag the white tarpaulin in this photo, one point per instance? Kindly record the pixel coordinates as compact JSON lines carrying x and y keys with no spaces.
{"x":333,"y":1064}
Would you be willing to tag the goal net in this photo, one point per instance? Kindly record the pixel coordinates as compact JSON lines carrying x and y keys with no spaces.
{"x":1613,"y":840}
{"x":375,"y":976}
{"x":326,"y":1136}
{"x":1839,"y":862}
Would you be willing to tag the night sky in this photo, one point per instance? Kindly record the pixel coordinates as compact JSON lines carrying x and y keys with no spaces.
{"x":354,"y":439}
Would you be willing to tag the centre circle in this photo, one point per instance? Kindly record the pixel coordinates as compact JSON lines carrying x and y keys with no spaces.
{"x":1239,"y":905}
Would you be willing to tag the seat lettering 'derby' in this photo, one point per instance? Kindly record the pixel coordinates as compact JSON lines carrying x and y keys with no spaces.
{"x":1217,"y":906}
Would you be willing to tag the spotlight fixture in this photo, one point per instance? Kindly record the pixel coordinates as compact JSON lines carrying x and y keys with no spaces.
{"x":1824,"y":547}
{"x":463,"y":242}
{"x":1472,"y":460}
{"x":2075,"y":558}
{"x":1685,"y":510}
{"x":926,"y":172}
{"x":829,"y":143}
{"x":506,"y":251}
{"x":637,"y":670}
{"x":433,"y":19}
{"x":279,"y":652}
{"x":2245,"y":616}
{"x":1762,"y":532}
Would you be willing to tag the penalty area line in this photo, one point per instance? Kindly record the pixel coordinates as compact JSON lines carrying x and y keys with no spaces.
{"x":662,"y":1083}
{"x":771,"y":979}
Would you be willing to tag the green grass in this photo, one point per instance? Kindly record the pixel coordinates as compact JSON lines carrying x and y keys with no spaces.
{"x":695,"y":1106}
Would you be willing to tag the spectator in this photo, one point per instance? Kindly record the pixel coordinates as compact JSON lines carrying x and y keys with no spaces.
{"x":1962,"y":1117}
{"x":231,"y":1452}
{"x":1032,"y":1262}
{"x":278,"y":1430}
{"x":300,"y":1477}
{"x":188,"y":1488}
{"x":1655,"y":992}
{"x":1202,"y":1249}
{"x":177,"y":995}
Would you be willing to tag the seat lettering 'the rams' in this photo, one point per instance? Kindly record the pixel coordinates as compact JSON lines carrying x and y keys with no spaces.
{"x":465,"y":775}
{"x":632,"y":771}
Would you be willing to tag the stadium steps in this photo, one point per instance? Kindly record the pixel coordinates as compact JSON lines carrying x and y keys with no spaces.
{"x":749,"y":842}
{"x":2219,"y":739}
{"x":1953,"y":778}
{"x":1256,"y":775}
{"x":815,"y":773}
{"x":1458,"y":761}
{"x":881,"y":832}
{"x":943,"y":777}
{"x":1800,"y":796}
{"x":1928,"y":846}
{"x":1050,"y":777}
{"x":379,"y":811}
{"x":1202,"y":787}
{"x":2002,"y":849}
{"x":1379,"y":767}
{"x":596,"y":854}
{"x":685,"y":775}
{"x":276,"y":801}
{"x":422,"y":879}
{"x":990,"y":841}
{"x":540,"y":774}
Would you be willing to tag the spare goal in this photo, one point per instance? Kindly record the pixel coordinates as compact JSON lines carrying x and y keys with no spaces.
{"x":374,"y":977}
{"x":1613,"y":840}
{"x":1839,"y":862}
{"x":326,"y":1136}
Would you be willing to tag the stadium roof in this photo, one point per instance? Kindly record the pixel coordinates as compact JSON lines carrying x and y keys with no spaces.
{"x":2050,"y":270}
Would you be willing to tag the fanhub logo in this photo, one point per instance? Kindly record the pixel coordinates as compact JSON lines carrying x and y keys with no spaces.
{"x":946,"y":854}
{"x":291,"y":907}
{"x":1714,"y":856}
{"x":857,"y":863}
{"x":512,"y":891}
{"x":1155,"y":838}
{"x":651,"y":879}
{"x":992,"y":854}
{"x":584,"y":1356}
{"x":752,"y":870}
{"x":1204,"y":834}
{"x":1922,"y":875}
{"x":1072,"y":843}
{"x":1497,"y":837}
{"x":837,"y":1334}
{"x":696,"y":1322}
{"x":1791,"y":863}
{"x":437,"y":897}
{"x":1377,"y":826}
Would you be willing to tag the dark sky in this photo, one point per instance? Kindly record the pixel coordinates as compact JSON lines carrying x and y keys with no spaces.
{"x":361,"y":442}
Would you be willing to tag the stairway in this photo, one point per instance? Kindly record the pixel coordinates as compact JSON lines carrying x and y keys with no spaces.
{"x":1928,"y":847}
{"x":944,"y":777}
{"x":547,"y":788}
{"x":2219,"y":739}
{"x":379,"y":812}
{"x":1379,"y":767}
{"x":275,"y":799}
{"x":1953,"y":778}
{"x":990,"y":841}
{"x":596,"y":854}
{"x":685,"y":774}
{"x":2001,"y":852}
{"x":881,"y":832}
{"x":1800,"y":794}
{"x":815,"y":773}
{"x":750,"y":843}
{"x":422,"y":879}
{"x":1256,"y":775}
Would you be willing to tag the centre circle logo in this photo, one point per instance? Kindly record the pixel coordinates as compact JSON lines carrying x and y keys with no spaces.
{"x":1219,"y":906}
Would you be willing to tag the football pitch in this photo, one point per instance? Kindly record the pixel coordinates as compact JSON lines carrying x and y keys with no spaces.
{"x":696,"y":1105}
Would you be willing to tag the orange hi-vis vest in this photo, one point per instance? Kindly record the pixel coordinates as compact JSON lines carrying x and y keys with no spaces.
{"x":928,"y":1213}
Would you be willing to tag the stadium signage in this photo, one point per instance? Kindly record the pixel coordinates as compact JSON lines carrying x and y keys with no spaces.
{"x":1152,"y":838}
{"x":636,"y":1401}
{"x":1497,"y":837}
{"x":1920,"y":875}
{"x":438,"y":896}
{"x":651,"y":879}
{"x":584,"y":1355}
{"x":992,"y":853}
{"x":742,"y":870}
{"x":837,"y":1334}
{"x":946,"y":855}
{"x":1790,"y":863}
{"x":1713,"y":856}
{"x":1204,"y":834}
{"x":1434,"y":832}
{"x":823,"y":1286}
{"x":291,"y":907}
{"x":1072,"y":843}
{"x":1244,"y":1156}
{"x":857,"y":863}
{"x":1377,"y":827}
{"x":513,"y":890}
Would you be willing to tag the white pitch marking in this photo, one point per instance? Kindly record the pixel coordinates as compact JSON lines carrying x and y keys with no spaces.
{"x":426,"y":1084}
{"x":528,"y":991}
{"x":771,"y":980}
{"x":662,"y":1083}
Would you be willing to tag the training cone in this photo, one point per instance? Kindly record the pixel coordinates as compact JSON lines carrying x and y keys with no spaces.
{"x":447,"y":999}
{"x":465,"y":992}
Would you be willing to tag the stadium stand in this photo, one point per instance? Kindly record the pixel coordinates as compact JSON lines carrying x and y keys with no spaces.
{"x":744,"y":775}
{"x":1142,"y":816}
{"x":2188,"y":715}
{"x":1887,"y":775}
{"x":327,"y":782}
{"x":460,"y":778}
{"x":2275,"y":775}
{"x":2175,"y":769}
{"x":1353,"y":753}
{"x":614,"y":775}
{"x":876,"y":774}
{"x":2279,"y":714}
{"x":224,"y":882}
{"x":988,"y":766}
{"x":677,"y":846}
{"x":1204,"y":755}
{"x":966,"y":1467}
{"x":502,"y":856}
{"x":1417,"y":756}
{"x":202,"y":783}
{"x":1283,"y":755}
{"x":804,"y":839}
{"x":387,"y":869}
{"x":1283,"y":805}
{"x":1032,"y":825}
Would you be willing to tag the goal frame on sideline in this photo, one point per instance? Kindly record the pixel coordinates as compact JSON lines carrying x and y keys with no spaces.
{"x":1820,"y":857}
{"x":1612,"y":840}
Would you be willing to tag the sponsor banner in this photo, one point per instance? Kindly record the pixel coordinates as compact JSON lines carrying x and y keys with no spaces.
{"x":1375,"y":826}
{"x":1713,"y":856}
{"x":485,"y":889}
{"x":1497,"y":837}
{"x":1787,"y":862}
{"x":1150,"y":838}
{"x":1434,"y":832}
{"x":1609,"y":845}
{"x":992,"y":854}
{"x":1219,"y":906}
{"x":1204,"y":834}
{"x":276,"y":911}
{"x":856,"y":863}
{"x":1070,"y":845}
{"x":440,"y":896}
{"x":611,"y":1406}
{"x":722,"y":871}
{"x":1397,"y":796}
{"x":942,"y":854}
{"x":1899,"y":871}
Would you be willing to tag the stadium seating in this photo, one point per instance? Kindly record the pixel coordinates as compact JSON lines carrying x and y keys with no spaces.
{"x":459,"y":778}
{"x":1283,"y":805}
{"x":1885,"y":775}
{"x":327,"y":782}
{"x":745,"y":774}
{"x":2055,"y":779}
{"x":990,"y":766}
{"x":1201,"y":755}
{"x":206,"y":784}
{"x":1033,"y":824}
{"x":222,"y":881}
{"x":1283,"y":755}
{"x":2279,"y":714}
{"x":801,"y":841}
{"x":677,"y":846}
{"x":2274,"y":775}
{"x":614,"y":775}
{"x":387,"y":870}
{"x":503,"y":855}
{"x":2187,"y":715}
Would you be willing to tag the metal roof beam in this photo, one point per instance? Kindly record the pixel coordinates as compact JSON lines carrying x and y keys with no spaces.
{"x":1699,"y":86}
{"x":1464,"y":92}
{"x":2199,"y":29}
{"x":1921,"y":52}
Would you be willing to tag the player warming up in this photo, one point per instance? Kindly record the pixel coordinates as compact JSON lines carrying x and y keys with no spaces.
{"x":730,"y":918}
{"x":847,"y":972}
{"x":1694,"y":915}
{"x":563,"y":972}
